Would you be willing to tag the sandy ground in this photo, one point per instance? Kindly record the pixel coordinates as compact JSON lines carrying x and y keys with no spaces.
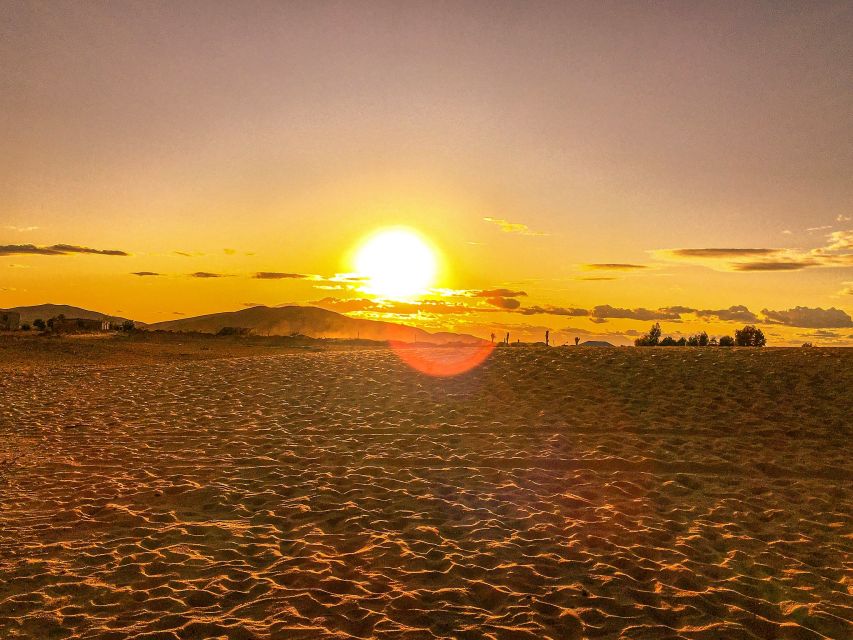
{"x":562,"y":493}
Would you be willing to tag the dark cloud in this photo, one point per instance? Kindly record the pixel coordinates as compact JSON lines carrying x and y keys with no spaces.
{"x":277,"y":275}
{"x":606,"y":311}
{"x":554,"y":311}
{"x":498,"y":293}
{"x":504,"y":303}
{"x":55,"y":250}
{"x":146,"y":273}
{"x":207,"y":274}
{"x":679,"y":309}
{"x":614,"y":266}
{"x":736,"y":313}
{"x":808,"y":318}
{"x":785,"y":265}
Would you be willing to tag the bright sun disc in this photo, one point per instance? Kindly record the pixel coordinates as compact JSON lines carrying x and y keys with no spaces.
{"x":397,"y":264}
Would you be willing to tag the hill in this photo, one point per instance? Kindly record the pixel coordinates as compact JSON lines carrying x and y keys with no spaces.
{"x":47,"y":311}
{"x":309,"y":321}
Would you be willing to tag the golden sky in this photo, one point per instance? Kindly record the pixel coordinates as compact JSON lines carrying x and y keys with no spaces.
{"x":615,"y":164}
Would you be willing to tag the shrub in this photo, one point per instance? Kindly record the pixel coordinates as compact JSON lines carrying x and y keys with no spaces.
{"x":233,"y":331}
{"x":750,"y":336}
{"x":39,"y":324}
{"x":727,"y":341}
{"x":127,"y":325}
{"x":669,"y":341}
{"x":25,"y":327}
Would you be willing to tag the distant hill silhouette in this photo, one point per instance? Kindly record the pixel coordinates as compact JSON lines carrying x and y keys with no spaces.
{"x":595,"y":343}
{"x":47,"y":311}
{"x":308,"y":321}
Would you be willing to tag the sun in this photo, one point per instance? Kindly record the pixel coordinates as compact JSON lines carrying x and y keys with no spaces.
{"x":396,"y":263}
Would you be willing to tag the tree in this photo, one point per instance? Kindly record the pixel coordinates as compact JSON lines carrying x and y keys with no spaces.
{"x":713,"y":342}
{"x":651,"y":339}
{"x":669,"y":341}
{"x":681,"y":342}
{"x":750,"y":336}
{"x":703,"y":339}
{"x":727,"y":341}
{"x":39,"y":324}
{"x":127,"y":325}
{"x":25,"y":327}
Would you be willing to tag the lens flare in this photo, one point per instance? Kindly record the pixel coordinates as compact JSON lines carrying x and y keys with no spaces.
{"x":443,"y":361}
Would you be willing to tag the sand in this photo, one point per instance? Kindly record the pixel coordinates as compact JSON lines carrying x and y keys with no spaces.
{"x":550,"y":493}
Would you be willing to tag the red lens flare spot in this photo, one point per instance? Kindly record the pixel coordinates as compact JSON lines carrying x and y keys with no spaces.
{"x":442,"y":361}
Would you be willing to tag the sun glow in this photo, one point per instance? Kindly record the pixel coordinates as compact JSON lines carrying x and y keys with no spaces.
{"x":397,"y":263}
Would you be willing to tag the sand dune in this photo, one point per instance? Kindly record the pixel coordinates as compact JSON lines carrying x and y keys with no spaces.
{"x":557,"y":493}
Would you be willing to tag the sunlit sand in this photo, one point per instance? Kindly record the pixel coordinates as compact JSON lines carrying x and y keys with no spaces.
{"x":548,"y":493}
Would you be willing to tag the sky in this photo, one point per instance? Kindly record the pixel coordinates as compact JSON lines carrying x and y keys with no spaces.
{"x":583,"y":167}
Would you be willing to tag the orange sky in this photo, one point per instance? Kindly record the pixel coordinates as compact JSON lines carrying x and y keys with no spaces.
{"x":528,"y":142}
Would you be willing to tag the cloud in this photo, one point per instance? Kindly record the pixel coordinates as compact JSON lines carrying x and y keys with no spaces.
{"x":808,"y":318}
{"x":596,"y":278}
{"x":229,"y":252}
{"x":514,"y":227}
{"x":840,"y":241}
{"x":821,"y":228}
{"x":614,"y":266}
{"x":553,"y":311}
{"x":832,"y":254}
{"x":12,"y":227}
{"x":498,"y":293}
{"x":351,"y":305}
{"x":207,"y":274}
{"x":786,"y":265}
{"x":605,"y":311}
{"x":736,"y":313}
{"x":277,"y":275}
{"x":145,"y":273}
{"x":839,"y":218}
{"x":504,"y":303}
{"x":55,"y":250}
{"x":718,"y":253}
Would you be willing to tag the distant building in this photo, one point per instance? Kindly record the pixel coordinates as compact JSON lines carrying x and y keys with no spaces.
{"x":10,"y":320}
{"x":78,"y":325}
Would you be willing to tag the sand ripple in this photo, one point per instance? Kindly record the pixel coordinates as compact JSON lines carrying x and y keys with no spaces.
{"x":549,"y":494}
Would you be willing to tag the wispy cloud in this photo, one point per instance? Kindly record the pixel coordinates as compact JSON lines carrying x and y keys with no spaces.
{"x":717,"y":253}
{"x":55,"y":250}
{"x":834,"y":253}
{"x":145,"y":273}
{"x":207,"y":274}
{"x":614,"y":266}
{"x":553,"y":311}
{"x":514,"y":227}
{"x":498,"y":293}
{"x":842,"y":218}
{"x":429,"y":307}
{"x":12,"y":227}
{"x":278,"y":275}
